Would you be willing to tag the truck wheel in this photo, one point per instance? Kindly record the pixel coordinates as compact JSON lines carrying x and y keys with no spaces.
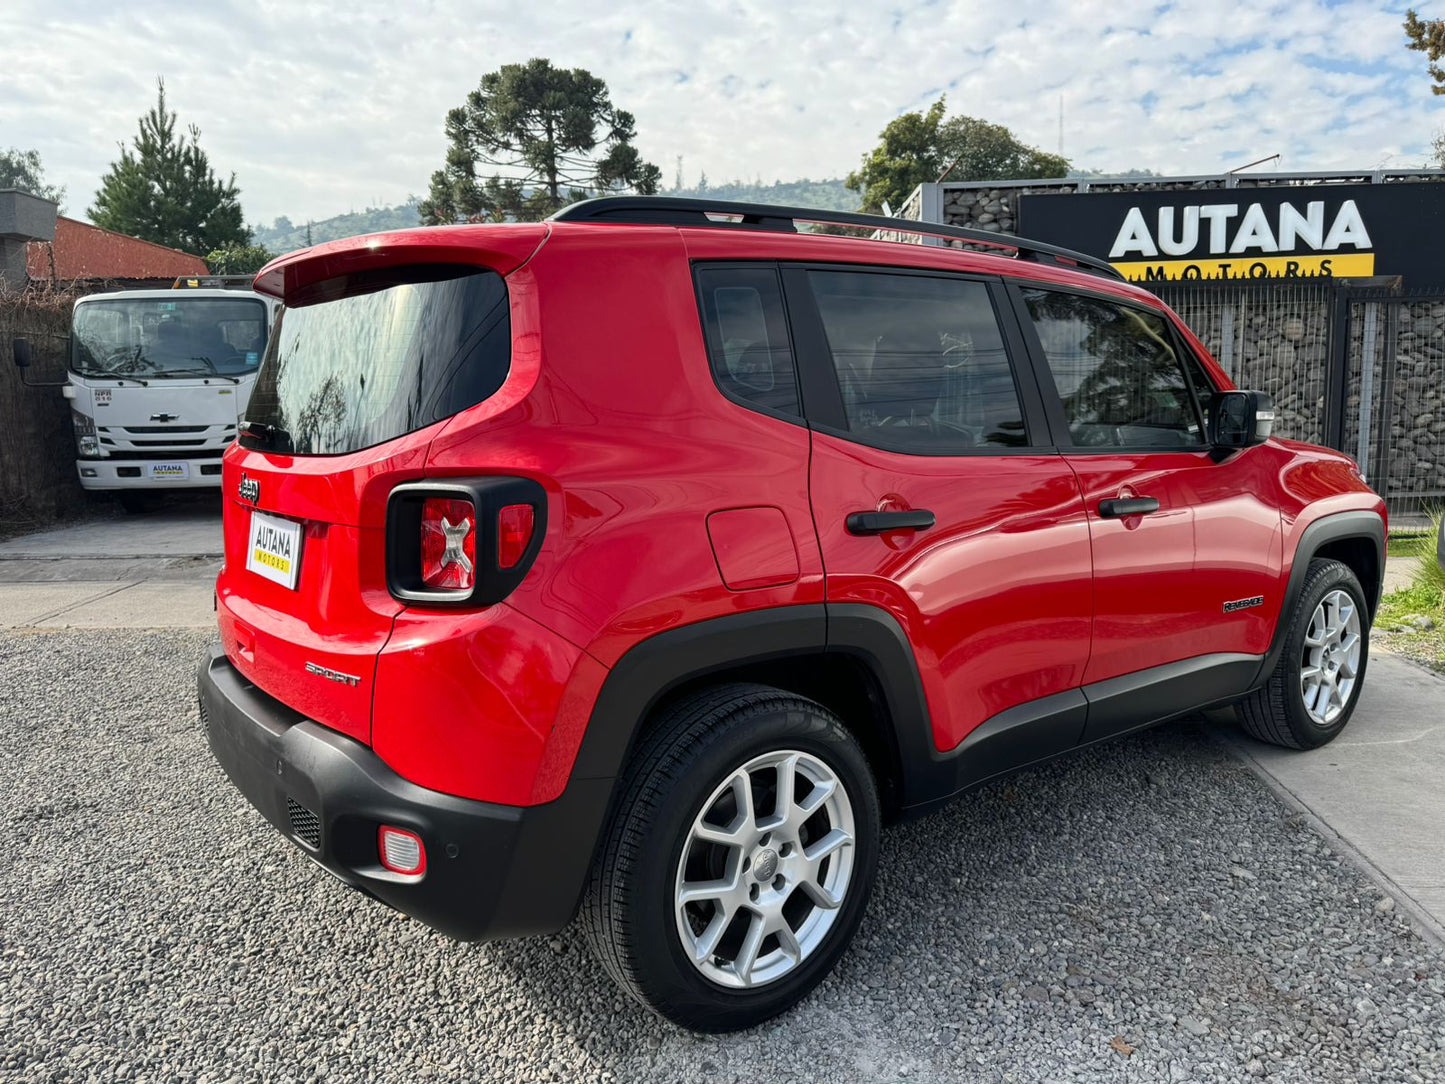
{"x":739,"y":860}
{"x":1314,"y":688}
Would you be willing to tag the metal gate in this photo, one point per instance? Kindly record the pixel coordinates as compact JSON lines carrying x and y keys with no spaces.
{"x":1361,"y":369}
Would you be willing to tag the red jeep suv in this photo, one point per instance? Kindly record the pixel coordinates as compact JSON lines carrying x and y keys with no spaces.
{"x":643,"y":562}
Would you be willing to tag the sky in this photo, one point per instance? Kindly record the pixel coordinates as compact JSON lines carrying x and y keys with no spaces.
{"x":320,"y":109}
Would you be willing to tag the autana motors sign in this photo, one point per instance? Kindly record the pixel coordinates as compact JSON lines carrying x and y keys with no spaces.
{"x":1323,"y":230}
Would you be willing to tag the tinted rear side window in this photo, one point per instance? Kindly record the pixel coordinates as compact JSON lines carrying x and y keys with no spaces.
{"x":747,"y":336}
{"x":921,"y":362}
{"x":366,"y":358}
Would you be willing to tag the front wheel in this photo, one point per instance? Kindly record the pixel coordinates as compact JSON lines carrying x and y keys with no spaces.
{"x":740,"y":860}
{"x":1315,"y":686}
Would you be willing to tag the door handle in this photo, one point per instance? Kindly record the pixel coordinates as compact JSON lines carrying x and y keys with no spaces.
{"x":1117,"y":507}
{"x":915,"y":519}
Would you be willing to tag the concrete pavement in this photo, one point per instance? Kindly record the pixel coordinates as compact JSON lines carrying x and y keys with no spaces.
{"x":142,"y":571}
{"x":99,"y":604}
{"x":183,"y":532}
{"x":1379,"y":787}
{"x":1399,"y":573}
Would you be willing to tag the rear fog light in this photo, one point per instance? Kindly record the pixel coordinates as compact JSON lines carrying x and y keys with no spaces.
{"x":401,"y":851}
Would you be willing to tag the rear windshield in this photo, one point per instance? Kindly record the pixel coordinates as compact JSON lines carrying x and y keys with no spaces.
{"x":364,"y":358}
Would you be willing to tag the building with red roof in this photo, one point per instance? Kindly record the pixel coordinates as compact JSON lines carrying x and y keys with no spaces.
{"x":81,"y":252}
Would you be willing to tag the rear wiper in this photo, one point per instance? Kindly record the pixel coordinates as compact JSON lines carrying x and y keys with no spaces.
{"x":273,"y":436}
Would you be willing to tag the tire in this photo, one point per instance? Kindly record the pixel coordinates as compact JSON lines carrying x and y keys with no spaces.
{"x":685,"y":779}
{"x":1295,"y":708}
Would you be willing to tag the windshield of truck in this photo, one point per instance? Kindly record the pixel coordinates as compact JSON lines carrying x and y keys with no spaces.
{"x":145,"y":338}
{"x":363,"y":358}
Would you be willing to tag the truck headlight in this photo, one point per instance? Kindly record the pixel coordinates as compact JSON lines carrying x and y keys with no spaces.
{"x":85,"y":438}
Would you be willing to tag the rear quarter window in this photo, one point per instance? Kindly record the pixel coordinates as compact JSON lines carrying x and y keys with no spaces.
{"x":747,"y":337}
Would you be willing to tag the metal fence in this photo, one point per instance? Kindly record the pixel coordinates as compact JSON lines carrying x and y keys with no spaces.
{"x":1361,"y":369}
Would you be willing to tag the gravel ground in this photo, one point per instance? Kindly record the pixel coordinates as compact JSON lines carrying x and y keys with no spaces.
{"x":1146,"y":911}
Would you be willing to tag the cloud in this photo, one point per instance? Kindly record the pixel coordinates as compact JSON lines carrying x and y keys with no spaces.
{"x":320,"y":109}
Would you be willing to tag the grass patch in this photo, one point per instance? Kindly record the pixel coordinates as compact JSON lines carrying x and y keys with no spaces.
{"x":1407,"y":545}
{"x":1412,"y":622}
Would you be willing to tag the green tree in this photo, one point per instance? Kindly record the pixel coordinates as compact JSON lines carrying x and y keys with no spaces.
{"x":557,"y":133}
{"x":975,"y":150}
{"x":907,"y":155}
{"x":238,"y":259}
{"x":1428,"y":36}
{"x":915,"y":148}
{"x":22,"y":170}
{"x":166,"y":192}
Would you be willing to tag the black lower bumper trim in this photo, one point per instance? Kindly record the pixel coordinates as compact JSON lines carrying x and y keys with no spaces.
{"x":492,"y":870}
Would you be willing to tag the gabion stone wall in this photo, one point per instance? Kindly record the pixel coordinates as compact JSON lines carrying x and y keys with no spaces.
{"x":1271,"y":339}
{"x":995,"y":209}
{"x":1276,"y":338}
{"x":1416,"y":407}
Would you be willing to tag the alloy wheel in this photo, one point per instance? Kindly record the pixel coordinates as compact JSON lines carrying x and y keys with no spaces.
{"x":765,"y":868}
{"x":1331,"y":659}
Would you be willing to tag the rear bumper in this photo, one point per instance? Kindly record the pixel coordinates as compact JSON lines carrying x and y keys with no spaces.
{"x":139,"y":473}
{"x":492,"y":870}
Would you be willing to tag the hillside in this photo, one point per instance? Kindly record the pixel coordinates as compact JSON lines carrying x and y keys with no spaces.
{"x":828,"y":195}
{"x":284,"y":235}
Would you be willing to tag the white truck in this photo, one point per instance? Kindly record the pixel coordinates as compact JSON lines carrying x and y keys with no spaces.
{"x":157,"y":382}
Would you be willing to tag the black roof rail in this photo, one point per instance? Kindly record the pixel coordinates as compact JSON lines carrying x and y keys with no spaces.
{"x":680,"y":211}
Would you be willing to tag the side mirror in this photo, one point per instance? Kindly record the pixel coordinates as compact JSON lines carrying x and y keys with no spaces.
{"x":1240,"y":419}
{"x":22,"y":352}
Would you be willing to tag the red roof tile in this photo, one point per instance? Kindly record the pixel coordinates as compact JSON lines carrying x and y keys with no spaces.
{"x":83,"y":251}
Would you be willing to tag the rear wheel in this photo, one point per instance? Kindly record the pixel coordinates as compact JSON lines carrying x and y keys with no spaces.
{"x":1315,"y":685}
{"x":740,"y":860}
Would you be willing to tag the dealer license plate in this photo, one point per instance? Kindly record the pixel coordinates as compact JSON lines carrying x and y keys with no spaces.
{"x":274,"y":549}
{"x":174,"y":472}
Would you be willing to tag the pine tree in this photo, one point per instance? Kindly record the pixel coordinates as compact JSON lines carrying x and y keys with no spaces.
{"x":556,"y":131}
{"x":165,"y":191}
{"x":1428,"y":36}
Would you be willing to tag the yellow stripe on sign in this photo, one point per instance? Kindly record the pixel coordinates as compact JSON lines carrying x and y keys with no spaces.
{"x":280,"y":564}
{"x":1348,"y":265}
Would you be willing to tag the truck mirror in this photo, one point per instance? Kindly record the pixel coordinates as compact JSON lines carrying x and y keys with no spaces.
{"x":22,"y":352}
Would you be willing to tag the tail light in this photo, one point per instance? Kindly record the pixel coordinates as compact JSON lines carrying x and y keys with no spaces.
{"x":401,"y":851}
{"x":448,"y":543}
{"x":514,"y":534}
{"x":466,"y":542}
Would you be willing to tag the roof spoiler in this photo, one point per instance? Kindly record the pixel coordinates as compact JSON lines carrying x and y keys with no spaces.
{"x":501,"y":247}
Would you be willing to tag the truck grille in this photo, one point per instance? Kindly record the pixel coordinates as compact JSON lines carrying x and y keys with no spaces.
{"x":305,"y":825}
{"x":164,"y":428}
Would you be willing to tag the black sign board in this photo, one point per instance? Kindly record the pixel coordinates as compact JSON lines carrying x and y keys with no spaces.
{"x":1289,"y":231}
